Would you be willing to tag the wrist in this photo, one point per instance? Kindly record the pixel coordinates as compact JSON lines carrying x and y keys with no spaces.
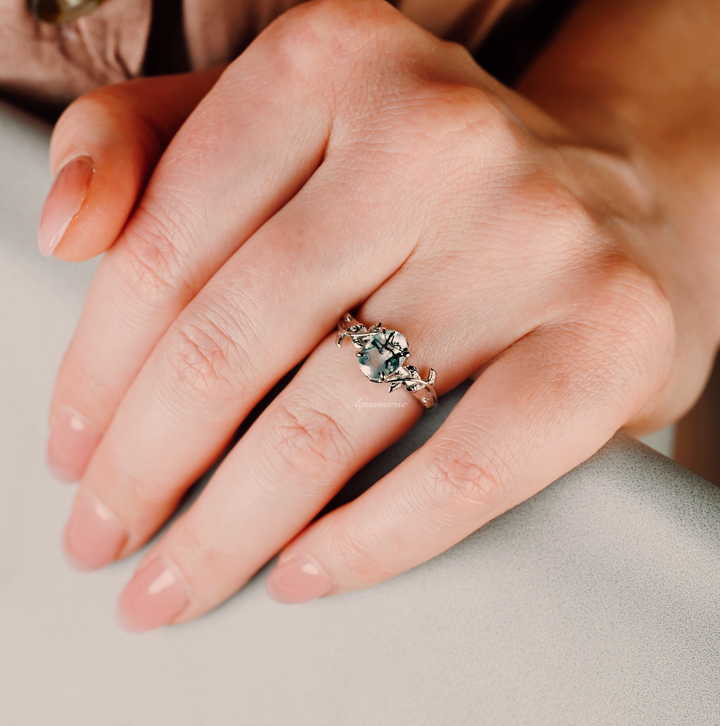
{"x":642,"y":81}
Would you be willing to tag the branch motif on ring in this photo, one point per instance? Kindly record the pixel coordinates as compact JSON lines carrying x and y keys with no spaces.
{"x":381,"y":356}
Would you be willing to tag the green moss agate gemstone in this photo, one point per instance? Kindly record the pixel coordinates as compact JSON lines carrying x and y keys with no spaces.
{"x":382,"y":354}
{"x":58,"y":12}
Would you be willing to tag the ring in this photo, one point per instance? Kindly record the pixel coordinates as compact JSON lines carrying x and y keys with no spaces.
{"x":381,"y":354}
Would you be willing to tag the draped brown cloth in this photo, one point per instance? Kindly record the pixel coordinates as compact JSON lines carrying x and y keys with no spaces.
{"x":56,"y":64}
{"x":53,"y":65}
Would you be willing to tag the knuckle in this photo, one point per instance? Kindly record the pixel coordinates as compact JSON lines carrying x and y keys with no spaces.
{"x":551,"y":205}
{"x":207,"y":353}
{"x":327,"y":34}
{"x":459,"y":123}
{"x":633,"y":304}
{"x":547,"y":223}
{"x":468,"y":114}
{"x":457,"y":477}
{"x":625,"y":325}
{"x":150,"y":265}
{"x":302,"y":38}
{"x":307,"y":439}
{"x":350,"y":550}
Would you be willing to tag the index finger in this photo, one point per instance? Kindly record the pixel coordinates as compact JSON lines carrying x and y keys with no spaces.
{"x":230,"y":168}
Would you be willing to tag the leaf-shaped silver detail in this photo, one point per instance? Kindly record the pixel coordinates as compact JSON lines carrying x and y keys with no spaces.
{"x":362,"y":340}
{"x":413,"y":371}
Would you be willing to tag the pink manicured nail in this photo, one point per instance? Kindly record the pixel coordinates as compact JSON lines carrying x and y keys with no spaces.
{"x":155,"y":595}
{"x":64,"y":201}
{"x":93,"y":535}
{"x":73,"y":439}
{"x":297,"y":579}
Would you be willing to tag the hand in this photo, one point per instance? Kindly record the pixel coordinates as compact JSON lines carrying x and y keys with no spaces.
{"x":349,"y":160}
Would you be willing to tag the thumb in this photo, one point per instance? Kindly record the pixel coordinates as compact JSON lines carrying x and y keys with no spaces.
{"x":102,"y":151}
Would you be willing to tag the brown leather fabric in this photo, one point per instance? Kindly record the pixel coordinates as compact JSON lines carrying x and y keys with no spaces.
{"x":41,"y":62}
{"x":53,"y":65}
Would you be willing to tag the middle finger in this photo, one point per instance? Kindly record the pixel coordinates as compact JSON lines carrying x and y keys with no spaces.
{"x":232,"y":165}
{"x":259,"y":316}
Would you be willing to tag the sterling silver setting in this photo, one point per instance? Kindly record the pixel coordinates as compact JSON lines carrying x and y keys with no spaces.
{"x":382,"y":354}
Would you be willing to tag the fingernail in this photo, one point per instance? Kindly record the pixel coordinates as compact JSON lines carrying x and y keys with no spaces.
{"x":64,"y":201}
{"x":298,"y":579}
{"x":93,"y":535}
{"x":156,"y":594}
{"x":73,"y":439}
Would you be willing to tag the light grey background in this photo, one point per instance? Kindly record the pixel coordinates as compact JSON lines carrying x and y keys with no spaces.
{"x":596,"y":602}
{"x":661,"y":441}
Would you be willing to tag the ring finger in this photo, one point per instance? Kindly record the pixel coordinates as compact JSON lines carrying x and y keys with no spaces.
{"x":301,"y":450}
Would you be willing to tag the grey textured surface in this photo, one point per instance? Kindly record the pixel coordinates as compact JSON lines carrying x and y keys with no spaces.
{"x":593,"y":603}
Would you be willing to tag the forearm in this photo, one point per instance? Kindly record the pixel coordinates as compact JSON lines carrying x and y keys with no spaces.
{"x":649,"y":67}
{"x":642,"y":78}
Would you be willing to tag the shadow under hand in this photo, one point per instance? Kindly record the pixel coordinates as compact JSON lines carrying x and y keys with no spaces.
{"x":374,"y":470}
{"x":697,"y":435}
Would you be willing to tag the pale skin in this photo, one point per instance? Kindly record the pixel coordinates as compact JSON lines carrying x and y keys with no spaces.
{"x":557,"y":243}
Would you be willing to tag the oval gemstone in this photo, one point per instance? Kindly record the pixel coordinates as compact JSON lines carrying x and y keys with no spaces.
{"x":382,"y":355}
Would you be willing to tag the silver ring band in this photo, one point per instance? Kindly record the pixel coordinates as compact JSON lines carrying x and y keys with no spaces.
{"x":381,"y":355}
